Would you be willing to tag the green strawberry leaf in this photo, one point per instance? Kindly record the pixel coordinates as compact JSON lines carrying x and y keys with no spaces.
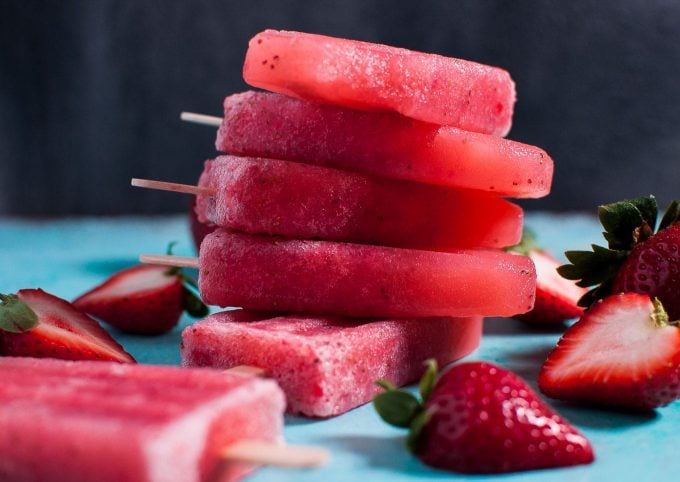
{"x":428,"y":379}
{"x":15,"y":315}
{"x":193,"y":304}
{"x":397,"y":407}
{"x":671,"y":216}
{"x":622,"y":220}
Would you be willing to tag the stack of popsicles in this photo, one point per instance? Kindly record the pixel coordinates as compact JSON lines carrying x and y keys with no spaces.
{"x":360,"y":217}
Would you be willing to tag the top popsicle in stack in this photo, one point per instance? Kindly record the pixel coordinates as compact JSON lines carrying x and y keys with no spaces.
{"x":392,"y":205}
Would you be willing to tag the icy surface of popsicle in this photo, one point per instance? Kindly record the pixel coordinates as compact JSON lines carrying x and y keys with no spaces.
{"x":323,"y":277}
{"x":266,"y":196}
{"x":87,"y":421}
{"x":361,"y":75}
{"x":269,"y":125}
{"x":327,"y":366}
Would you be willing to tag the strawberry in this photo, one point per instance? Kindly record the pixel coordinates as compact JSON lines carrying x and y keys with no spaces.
{"x":143,"y":299}
{"x":480,"y":418}
{"x":37,"y":324}
{"x":636,"y":259}
{"x":556,"y":298}
{"x":622,"y":353}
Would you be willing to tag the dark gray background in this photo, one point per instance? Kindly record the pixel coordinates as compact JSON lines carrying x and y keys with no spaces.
{"x":90,"y":91}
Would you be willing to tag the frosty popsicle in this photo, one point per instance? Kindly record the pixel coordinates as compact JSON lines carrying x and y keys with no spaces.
{"x":85,"y":421}
{"x":361,"y":75}
{"x":266,"y":196}
{"x":327,"y":366}
{"x":261,"y":124}
{"x":324,"y":277}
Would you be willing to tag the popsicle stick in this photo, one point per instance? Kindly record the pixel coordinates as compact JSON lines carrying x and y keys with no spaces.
{"x":264,"y":453}
{"x":208,"y":120}
{"x":172,"y":186}
{"x":169,"y":260}
{"x":246,"y":370}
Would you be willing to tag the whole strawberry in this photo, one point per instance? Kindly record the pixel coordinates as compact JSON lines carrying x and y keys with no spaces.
{"x":556,"y":298}
{"x":624,"y":353}
{"x":143,"y":299}
{"x":636,"y":259}
{"x":481,"y":418}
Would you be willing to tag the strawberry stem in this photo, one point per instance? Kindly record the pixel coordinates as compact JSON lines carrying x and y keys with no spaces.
{"x":659,"y":315}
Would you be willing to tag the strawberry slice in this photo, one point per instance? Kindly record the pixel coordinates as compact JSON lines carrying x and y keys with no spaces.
{"x":37,"y":324}
{"x":143,"y":299}
{"x":481,"y":418}
{"x":622,"y":353}
{"x":556,"y":298}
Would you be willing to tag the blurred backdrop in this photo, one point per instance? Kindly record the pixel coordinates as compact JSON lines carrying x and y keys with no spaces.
{"x":91,"y":90}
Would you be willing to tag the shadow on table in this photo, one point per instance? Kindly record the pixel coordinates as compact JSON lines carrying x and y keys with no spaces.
{"x":386,"y":452}
{"x":512,"y":327}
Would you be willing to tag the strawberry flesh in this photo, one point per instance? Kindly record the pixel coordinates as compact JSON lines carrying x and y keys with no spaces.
{"x":143,"y":299}
{"x":485,"y":419}
{"x":556,"y":297}
{"x":61,"y":332}
{"x":653,"y":268}
{"x":616,"y":355}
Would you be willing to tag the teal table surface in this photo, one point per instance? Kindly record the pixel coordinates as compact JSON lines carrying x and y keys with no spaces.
{"x":67,"y":257}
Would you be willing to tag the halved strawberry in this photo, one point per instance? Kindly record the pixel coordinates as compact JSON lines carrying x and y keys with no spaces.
{"x":481,"y":418}
{"x":556,"y":298}
{"x":37,"y":324}
{"x":143,"y":299}
{"x":623,"y":353}
{"x":636,"y":259}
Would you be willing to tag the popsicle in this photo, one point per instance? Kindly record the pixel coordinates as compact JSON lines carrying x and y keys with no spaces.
{"x":86,"y":421}
{"x":267,"y":196}
{"x":362,"y":75}
{"x":327,"y":366}
{"x":268,"y":125}
{"x":324,"y":277}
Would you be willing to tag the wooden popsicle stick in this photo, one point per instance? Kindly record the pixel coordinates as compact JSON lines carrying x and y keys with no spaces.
{"x":267,"y":453}
{"x":172,"y":186}
{"x":208,"y":120}
{"x":246,"y":370}
{"x":170,"y":260}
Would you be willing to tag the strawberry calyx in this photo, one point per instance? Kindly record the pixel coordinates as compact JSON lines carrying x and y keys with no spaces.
{"x":192,"y":302}
{"x":626,"y":224}
{"x":527,"y":244}
{"x":402,"y":409}
{"x":15,"y":315}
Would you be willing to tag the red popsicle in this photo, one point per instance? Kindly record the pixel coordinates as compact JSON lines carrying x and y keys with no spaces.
{"x":266,"y":196}
{"x":362,"y":75}
{"x":275,"y":274}
{"x":327,"y":365}
{"x":260,"y":124}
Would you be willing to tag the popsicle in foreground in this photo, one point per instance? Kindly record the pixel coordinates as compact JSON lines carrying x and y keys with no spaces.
{"x":261,"y":124}
{"x":266,"y":196}
{"x":362,"y":75}
{"x":327,"y":366}
{"x":323,"y":277}
{"x":87,"y":421}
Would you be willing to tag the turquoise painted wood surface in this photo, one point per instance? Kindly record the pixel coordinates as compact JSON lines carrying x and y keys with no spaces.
{"x":67,"y":257}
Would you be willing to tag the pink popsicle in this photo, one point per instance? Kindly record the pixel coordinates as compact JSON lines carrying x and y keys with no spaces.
{"x":327,"y":366}
{"x":261,"y":124}
{"x":324,"y":277}
{"x":87,"y":421}
{"x":266,"y":196}
{"x":361,"y":75}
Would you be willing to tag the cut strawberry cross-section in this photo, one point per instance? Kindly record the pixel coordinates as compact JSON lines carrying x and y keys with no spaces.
{"x":37,"y":324}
